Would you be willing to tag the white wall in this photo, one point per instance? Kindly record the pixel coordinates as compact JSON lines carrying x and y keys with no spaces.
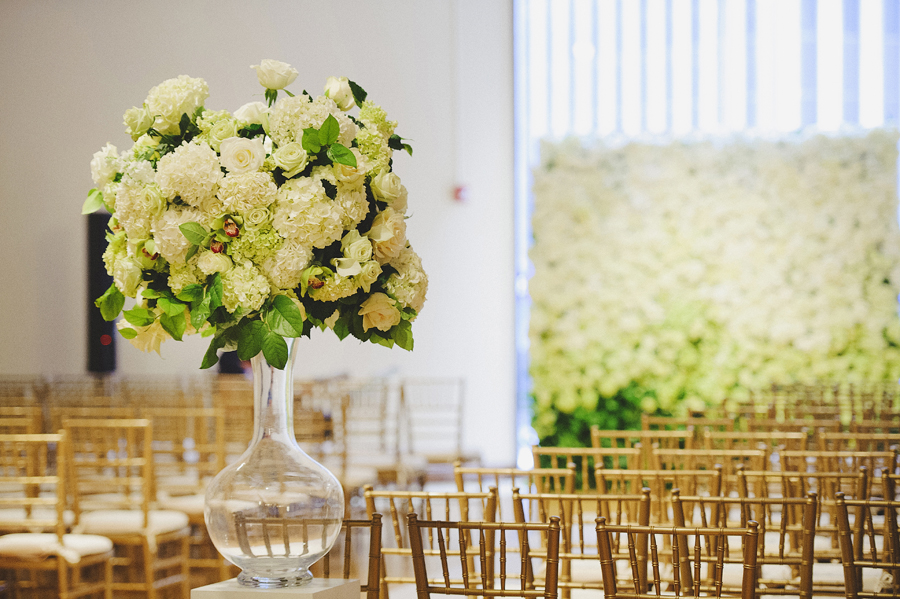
{"x":442,"y":68}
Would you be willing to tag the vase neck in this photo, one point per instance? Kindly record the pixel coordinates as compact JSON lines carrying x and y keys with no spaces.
{"x":273,"y":399}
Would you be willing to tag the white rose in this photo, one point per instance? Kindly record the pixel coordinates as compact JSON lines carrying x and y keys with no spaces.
{"x":369,"y":273}
{"x":257,"y":217}
{"x":274,"y":74}
{"x":338,"y":89}
{"x":241,"y":155}
{"x":388,"y":235}
{"x":401,"y":202}
{"x":105,"y":165}
{"x":291,"y":158}
{"x":386,"y":187}
{"x":127,"y":275}
{"x":151,"y":201}
{"x":380,"y":312}
{"x":222,"y":130}
{"x":138,"y":120}
{"x":210,"y":262}
{"x":251,"y":113}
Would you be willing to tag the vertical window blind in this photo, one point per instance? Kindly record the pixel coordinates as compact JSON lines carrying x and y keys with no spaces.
{"x":664,"y":69}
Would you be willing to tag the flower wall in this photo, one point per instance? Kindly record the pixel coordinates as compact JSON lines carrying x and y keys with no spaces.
{"x":671,"y":277}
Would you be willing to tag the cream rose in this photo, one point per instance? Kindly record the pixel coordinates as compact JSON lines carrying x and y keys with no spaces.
{"x":291,"y":158}
{"x":127,"y":275}
{"x":251,"y":113}
{"x":210,"y":262}
{"x":388,"y":235}
{"x":380,"y":312}
{"x":386,"y":187}
{"x":257,"y":217}
{"x":222,"y":130}
{"x":274,"y":74}
{"x":151,"y":201}
{"x":138,"y":120}
{"x":240,"y":155}
{"x":338,"y":89}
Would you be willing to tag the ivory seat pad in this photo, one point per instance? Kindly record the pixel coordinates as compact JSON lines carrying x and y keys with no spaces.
{"x":15,"y":518}
{"x":192,"y":505}
{"x":123,"y":522}
{"x":833,"y":574}
{"x":42,"y":545}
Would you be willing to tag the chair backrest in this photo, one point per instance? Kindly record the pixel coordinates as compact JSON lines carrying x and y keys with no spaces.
{"x":858,"y":441}
{"x":645,"y":439}
{"x":697,"y":423}
{"x":709,"y":547}
{"x":577,"y":515}
{"x":453,"y":506}
{"x":805,"y":425}
{"x":860,"y":546}
{"x":21,"y":419}
{"x":771,"y":443}
{"x":112,"y":459}
{"x":482,"y":567}
{"x":661,"y":482}
{"x":850,"y":462}
{"x":431,"y":417}
{"x":586,"y":460}
{"x":707,"y":459}
{"x":188,"y":447}
{"x":33,"y":470}
{"x":789,"y":521}
{"x":345,"y":548}
{"x":60,"y":413}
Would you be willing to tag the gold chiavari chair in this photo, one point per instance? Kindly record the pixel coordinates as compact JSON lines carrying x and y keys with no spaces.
{"x":484,"y":568}
{"x":810,"y":426}
{"x":395,"y":555}
{"x":578,"y":567}
{"x":697,"y":423}
{"x":21,"y":390}
{"x":707,"y":459}
{"x":60,"y":413}
{"x":647,"y":571}
{"x":787,"y":530}
{"x":586,"y":460}
{"x":870,"y":557}
{"x":645,"y":439}
{"x":888,"y":424}
{"x":875,"y":463}
{"x":158,"y":391}
{"x":661,"y":482}
{"x":858,"y":441}
{"x":538,"y":480}
{"x":344,"y":551}
{"x":38,"y":546}
{"x":770,"y":443}
{"x":21,"y":419}
{"x":111,"y":468}
{"x":188,"y":451}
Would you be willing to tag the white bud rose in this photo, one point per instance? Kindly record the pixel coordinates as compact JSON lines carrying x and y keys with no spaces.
{"x":380,"y":312}
{"x":386,"y":187}
{"x":241,"y":155}
{"x":274,"y":74}
{"x":127,"y":275}
{"x":338,"y":89}
{"x":401,"y":202}
{"x":355,"y":246}
{"x":151,"y":201}
{"x":369,"y":273}
{"x":138,"y":120}
{"x":210,"y":262}
{"x":292,"y":158}
{"x":257,"y":217}
{"x":105,"y":165}
{"x":222,"y":130}
{"x":388,"y":235}
{"x":251,"y":113}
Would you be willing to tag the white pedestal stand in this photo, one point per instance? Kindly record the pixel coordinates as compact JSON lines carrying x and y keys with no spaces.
{"x":318,"y":588}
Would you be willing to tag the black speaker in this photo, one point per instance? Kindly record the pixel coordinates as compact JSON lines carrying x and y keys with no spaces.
{"x":101,"y":337}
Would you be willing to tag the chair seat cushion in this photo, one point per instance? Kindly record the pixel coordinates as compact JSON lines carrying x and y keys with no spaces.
{"x":192,"y":505}
{"x":42,"y":545}
{"x":16,"y":519}
{"x":124,"y":522}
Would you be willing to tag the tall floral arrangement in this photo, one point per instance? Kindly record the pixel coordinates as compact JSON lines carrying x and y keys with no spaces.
{"x":253,"y":226}
{"x":674,"y":276}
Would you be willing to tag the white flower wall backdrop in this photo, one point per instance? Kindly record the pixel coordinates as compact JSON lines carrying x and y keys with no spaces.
{"x":675,"y":276}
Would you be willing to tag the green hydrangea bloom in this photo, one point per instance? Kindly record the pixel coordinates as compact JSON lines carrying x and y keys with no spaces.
{"x":255,"y":244}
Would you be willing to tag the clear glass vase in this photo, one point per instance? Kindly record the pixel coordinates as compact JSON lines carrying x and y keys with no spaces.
{"x":275,"y":511}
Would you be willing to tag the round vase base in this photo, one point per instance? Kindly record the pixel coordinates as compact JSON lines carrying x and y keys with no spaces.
{"x":265,"y":582}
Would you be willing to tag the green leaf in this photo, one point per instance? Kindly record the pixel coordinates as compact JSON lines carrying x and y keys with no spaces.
{"x":110,"y":303}
{"x":190,"y":293}
{"x":381,"y":340}
{"x":191,"y":252}
{"x":151,"y":293}
{"x":341,"y":328}
{"x":342,"y":155}
{"x":139,"y":317}
{"x":310,"y":140}
{"x":359,"y":94}
{"x":250,"y":339}
{"x":171,"y":307}
{"x":215,"y":292}
{"x":288,"y":93}
{"x":408,"y":149}
{"x":402,"y":335}
{"x":93,"y":202}
{"x":193,"y":232}
{"x":271,"y":96}
{"x":211,"y":357}
{"x":275,"y":350}
{"x":128,"y":333}
{"x":285,"y":317}
{"x":173,"y":325}
{"x":200,"y":311}
{"x":329,"y":131}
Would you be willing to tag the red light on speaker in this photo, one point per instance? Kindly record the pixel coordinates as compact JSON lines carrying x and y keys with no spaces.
{"x":105,"y":339}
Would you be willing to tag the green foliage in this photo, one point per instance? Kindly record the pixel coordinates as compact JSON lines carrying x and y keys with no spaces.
{"x":359,"y":94}
{"x":621,"y":412}
{"x":93,"y":202}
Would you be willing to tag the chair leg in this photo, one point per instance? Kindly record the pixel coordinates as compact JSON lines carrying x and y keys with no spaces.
{"x":149,"y":570}
{"x":185,"y":570}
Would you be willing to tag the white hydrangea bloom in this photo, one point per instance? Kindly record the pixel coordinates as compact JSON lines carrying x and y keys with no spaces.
{"x":104,"y":166}
{"x":353,"y":203}
{"x":136,"y":207}
{"x":192,"y":172}
{"x":290,"y":116}
{"x":305,"y":214}
{"x":174,"y":97}
{"x":410,"y":283}
{"x":285,"y":267}
{"x":245,"y":191}
{"x":336,"y":287}
{"x":170,"y":241}
{"x":244,"y":286}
